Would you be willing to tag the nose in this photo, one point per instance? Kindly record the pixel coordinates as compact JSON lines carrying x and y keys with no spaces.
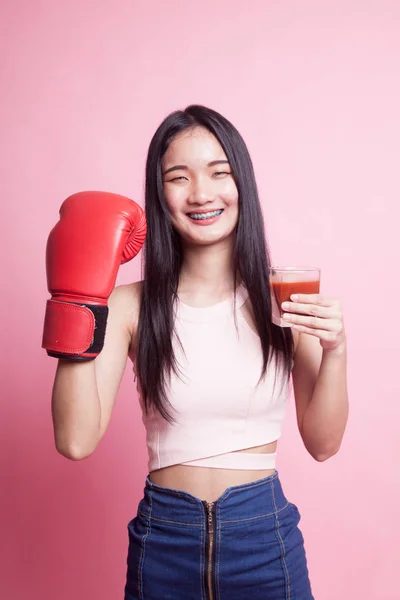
{"x":201,"y":192}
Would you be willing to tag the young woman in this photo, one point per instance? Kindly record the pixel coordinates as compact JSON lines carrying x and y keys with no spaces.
{"x":212,"y":370}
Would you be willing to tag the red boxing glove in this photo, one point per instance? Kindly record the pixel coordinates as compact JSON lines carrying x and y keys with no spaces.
{"x":97,"y":232}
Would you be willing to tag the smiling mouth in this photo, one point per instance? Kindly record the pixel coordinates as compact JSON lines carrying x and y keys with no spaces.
{"x":201,"y":216}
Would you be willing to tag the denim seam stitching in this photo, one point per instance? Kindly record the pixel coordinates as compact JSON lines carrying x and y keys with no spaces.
{"x":167,"y":521}
{"x":142,"y":552}
{"x":282,"y":545}
{"x":172,"y":492}
{"x":259,"y":516}
{"x":248,"y":487}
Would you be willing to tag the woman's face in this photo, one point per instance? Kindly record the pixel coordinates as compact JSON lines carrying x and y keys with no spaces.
{"x":199,"y":188}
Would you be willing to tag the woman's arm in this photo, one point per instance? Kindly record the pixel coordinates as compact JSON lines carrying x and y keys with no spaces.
{"x":319,"y":373}
{"x":84,"y":392}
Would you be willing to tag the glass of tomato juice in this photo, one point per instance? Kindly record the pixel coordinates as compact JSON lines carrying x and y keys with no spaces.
{"x":285,"y":281}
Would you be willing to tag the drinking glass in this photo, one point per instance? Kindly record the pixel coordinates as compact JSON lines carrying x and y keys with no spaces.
{"x":285,"y":281}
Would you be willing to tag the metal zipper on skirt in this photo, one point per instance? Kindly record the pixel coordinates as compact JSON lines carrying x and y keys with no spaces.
{"x":210,"y":545}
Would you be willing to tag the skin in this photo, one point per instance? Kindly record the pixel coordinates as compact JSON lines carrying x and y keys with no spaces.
{"x":84,"y":394}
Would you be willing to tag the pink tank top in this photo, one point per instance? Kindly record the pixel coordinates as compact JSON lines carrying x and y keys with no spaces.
{"x":219,"y":404}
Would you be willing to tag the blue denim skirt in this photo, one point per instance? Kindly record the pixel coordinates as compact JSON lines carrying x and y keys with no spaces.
{"x":244,"y":546}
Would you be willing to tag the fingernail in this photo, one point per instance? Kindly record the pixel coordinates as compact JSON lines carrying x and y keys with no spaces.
{"x":294,"y":297}
{"x":285,"y":305}
{"x":287,"y":317}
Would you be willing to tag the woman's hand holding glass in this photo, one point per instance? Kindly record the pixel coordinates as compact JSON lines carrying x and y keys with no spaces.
{"x":316,"y":315}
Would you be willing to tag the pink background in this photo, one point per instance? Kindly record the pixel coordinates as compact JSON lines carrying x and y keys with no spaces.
{"x":314,"y":88}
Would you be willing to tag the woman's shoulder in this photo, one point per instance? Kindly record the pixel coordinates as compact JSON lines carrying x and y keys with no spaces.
{"x":128,"y":294}
{"x":130,"y":290}
{"x":126,"y":299}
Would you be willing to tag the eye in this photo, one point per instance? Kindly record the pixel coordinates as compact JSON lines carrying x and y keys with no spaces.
{"x":220,"y":174}
{"x":180,"y":178}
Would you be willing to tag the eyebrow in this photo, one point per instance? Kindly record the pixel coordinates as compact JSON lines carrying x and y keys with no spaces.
{"x":185,"y":168}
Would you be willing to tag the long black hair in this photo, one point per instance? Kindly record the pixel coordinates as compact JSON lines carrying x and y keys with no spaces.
{"x":155,"y":359}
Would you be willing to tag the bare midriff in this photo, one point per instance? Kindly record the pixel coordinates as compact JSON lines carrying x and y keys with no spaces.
{"x":209,"y":483}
